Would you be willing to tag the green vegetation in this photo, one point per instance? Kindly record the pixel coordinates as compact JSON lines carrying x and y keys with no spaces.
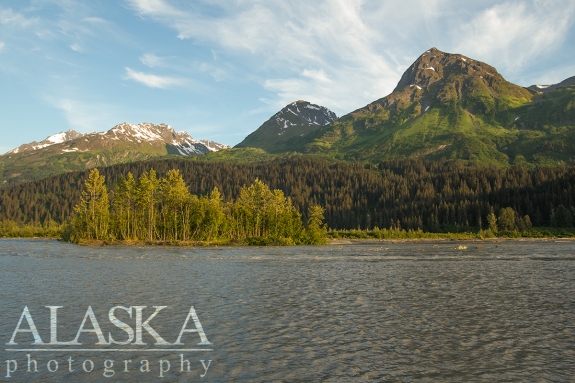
{"x":155,"y":209}
{"x":537,"y":232}
{"x":11,"y":229}
{"x":434,"y":196}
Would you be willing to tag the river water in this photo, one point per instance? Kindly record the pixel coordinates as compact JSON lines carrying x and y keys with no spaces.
{"x":397,"y":312}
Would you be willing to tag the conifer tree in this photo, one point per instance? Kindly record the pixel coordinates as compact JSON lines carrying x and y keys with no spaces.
{"x":124,"y":209}
{"x":93,"y":212}
{"x":315,"y":230}
{"x":175,"y":195}
{"x":146,"y":201}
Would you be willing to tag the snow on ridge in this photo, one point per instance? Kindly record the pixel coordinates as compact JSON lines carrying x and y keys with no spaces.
{"x":57,"y":138}
{"x":54,"y":139}
{"x":143,"y":132}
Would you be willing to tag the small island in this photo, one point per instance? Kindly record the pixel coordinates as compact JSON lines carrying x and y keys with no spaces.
{"x":162,"y":211}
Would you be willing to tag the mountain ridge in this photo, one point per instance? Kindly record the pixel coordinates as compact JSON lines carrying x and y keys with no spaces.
{"x":70,"y":150}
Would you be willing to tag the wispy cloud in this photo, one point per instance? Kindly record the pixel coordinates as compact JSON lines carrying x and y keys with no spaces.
{"x":9,"y":17}
{"x":153,"y":81}
{"x":2,"y":44}
{"x":515,"y":33}
{"x":76,"y":48}
{"x":318,"y":75}
{"x":153,"y":61}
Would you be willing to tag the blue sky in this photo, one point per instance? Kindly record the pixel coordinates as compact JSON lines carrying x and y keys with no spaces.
{"x":218,"y":69}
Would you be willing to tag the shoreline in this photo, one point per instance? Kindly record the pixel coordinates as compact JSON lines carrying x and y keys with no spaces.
{"x":352,"y":241}
{"x":329,"y":241}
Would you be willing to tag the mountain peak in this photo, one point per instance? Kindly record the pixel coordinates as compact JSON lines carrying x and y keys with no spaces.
{"x":295,"y":120}
{"x":434,"y":65}
{"x":302,"y":112}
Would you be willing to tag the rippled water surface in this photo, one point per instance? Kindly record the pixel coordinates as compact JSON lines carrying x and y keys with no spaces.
{"x":405,"y":312}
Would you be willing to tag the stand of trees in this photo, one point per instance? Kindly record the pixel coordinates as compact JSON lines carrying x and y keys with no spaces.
{"x":434,"y":196}
{"x":162,"y":209}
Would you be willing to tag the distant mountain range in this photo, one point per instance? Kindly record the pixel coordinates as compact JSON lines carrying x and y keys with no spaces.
{"x":445,"y":106}
{"x":67,"y":151}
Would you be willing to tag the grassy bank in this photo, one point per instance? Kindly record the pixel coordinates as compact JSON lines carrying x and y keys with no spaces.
{"x":537,"y":232}
{"x":10,"y":229}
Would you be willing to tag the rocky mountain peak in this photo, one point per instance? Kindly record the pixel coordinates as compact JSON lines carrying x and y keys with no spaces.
{"x":434,"y":65}
{"x":306,"y":113}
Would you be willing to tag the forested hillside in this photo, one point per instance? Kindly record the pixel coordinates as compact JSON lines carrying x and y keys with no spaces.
{"x":434,"y":196}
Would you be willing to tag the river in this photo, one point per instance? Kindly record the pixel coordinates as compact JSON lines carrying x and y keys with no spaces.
{"x":450,"y":311}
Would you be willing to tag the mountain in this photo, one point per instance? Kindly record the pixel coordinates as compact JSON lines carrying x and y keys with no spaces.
{"x":454,"y":107}
{"x":55,"y":139}
{"x":71,"y":150}
{"x":548,"y":88}
{"x":297,"y":119}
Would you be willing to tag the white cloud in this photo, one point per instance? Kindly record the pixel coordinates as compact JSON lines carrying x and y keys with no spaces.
{"x":318,"y":75}
{"x":153,"y":61}
{"x":2,"y":45}
{"x":153,"y":81}
{"x":76,"y":48}
{"x":217,"y":74}
{"x":514,"y":34}
{"x":94,"y":20}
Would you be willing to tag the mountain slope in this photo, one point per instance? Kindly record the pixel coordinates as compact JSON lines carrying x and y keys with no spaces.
{"x":68,"y":151}
{"x":449,"y":105}
{"x":295,"y":120}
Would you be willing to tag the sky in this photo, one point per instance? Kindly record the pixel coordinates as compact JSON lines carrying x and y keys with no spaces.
{"x":218,"y":69}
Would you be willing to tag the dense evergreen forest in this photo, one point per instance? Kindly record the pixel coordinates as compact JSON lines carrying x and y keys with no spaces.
{"x":433,"y":196}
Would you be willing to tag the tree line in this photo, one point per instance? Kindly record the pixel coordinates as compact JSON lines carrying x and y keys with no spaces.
{"x":434,"y":196}
{"x":163,"y":209}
